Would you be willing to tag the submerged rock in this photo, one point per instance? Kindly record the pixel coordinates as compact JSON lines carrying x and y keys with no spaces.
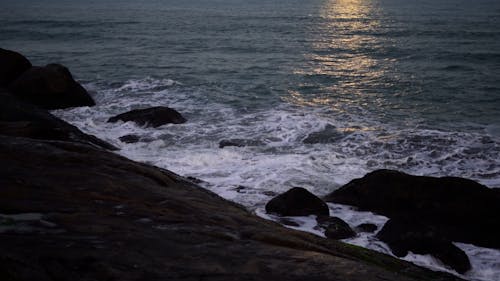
{"x":329,"y":134}
{"x":460,"y":209}
{"x":150,"y":117}
{"x":239,"y":143}
{"x":50,"y":87}
{"x":366,"y":227}
{"x":12,"y":65}
{"x":404,"y":235}
{"x":129,"y":138}
{"x":335,"y":228}
{"x":297,"y":202}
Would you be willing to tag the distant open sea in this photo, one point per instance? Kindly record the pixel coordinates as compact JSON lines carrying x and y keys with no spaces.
{"x":323,"y":91}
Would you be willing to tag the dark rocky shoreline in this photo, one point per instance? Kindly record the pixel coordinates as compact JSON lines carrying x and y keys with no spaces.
{"x":72,"y":210}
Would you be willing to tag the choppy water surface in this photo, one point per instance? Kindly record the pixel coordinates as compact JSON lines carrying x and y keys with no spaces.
{"x":327,"y":90}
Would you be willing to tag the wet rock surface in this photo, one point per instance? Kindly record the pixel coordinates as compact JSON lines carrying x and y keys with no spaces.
{"x":150,"y":117}
{"x":427,"y":213}
{"x":460,"y":209}
{"x":335,"y":228}
{"x":404,"y":235}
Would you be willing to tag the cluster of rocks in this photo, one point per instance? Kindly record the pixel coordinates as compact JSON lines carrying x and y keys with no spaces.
{"x":53,"y":87}
{"x":427,"y":214}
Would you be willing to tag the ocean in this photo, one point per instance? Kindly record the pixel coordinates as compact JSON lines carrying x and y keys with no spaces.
{"x":321,"y":91}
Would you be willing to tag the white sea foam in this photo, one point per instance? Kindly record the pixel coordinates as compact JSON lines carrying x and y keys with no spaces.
{"x":252,"y":175}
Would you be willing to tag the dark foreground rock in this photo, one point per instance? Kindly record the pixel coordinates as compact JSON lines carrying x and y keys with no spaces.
{"x":335,"y":228}
{"x":297,"y":202}
{"x":25,"y":120}
{"x":12,"y":65}
{"x":150,"y":117}
{"x":50,"y":87}
{"x":70,"y":211}
{"x":461,"y":210}
{"x":403,"y":235}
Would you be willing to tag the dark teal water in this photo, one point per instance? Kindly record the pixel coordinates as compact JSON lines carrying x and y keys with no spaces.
{"x":438,"y":61}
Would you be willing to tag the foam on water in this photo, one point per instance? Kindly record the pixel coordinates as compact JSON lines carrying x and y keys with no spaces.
{"x":342,"y":145}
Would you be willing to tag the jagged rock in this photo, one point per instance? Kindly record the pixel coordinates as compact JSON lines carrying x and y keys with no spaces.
{"x":408,"y":234}
{"x":366,"y":227}
{"x":335,"y":228}
{"x":297,"y":202}
{"x":50,"y":87}
{"x":150,"y":117}
{"x":460,"y":209}
{"x":12,"y":65}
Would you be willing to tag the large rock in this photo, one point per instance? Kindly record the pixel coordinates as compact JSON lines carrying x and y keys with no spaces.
{"x":70,"y":211}
{"x":12,"y":65}
{"x":297,"y":202}
{"x":460,"y":209}
{"x":50,"y":87}
{"x":26,"y":120}
{"x":150,"y":117}
{"x":403,"y":235}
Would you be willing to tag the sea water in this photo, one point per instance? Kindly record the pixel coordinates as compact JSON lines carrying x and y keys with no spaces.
{"x":324,"y":91}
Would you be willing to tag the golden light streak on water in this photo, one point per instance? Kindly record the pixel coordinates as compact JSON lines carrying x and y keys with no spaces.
{"x":342,"y":56}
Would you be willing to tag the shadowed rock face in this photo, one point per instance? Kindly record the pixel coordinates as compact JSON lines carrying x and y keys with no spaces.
{"x":150,"y":117}
{"x":460,"y":209}
{"x":50,"y":87}
{"x":297,"y":202}
{"x":12,"y":65}
{"x":75,"y":212}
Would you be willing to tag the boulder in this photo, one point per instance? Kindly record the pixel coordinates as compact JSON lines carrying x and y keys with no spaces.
{"x":239,"y":143}
{"x":297,"y":202}
{"x":50,"y":87}
{"x":150,"y":117}
{"x":408,"y":234}
{"x":12,"y":65}
{"x":335,"y":228}
{"x":461,"y":209}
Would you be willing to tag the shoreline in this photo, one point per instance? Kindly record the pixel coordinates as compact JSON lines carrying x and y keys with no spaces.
{"x":72,"y":210}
